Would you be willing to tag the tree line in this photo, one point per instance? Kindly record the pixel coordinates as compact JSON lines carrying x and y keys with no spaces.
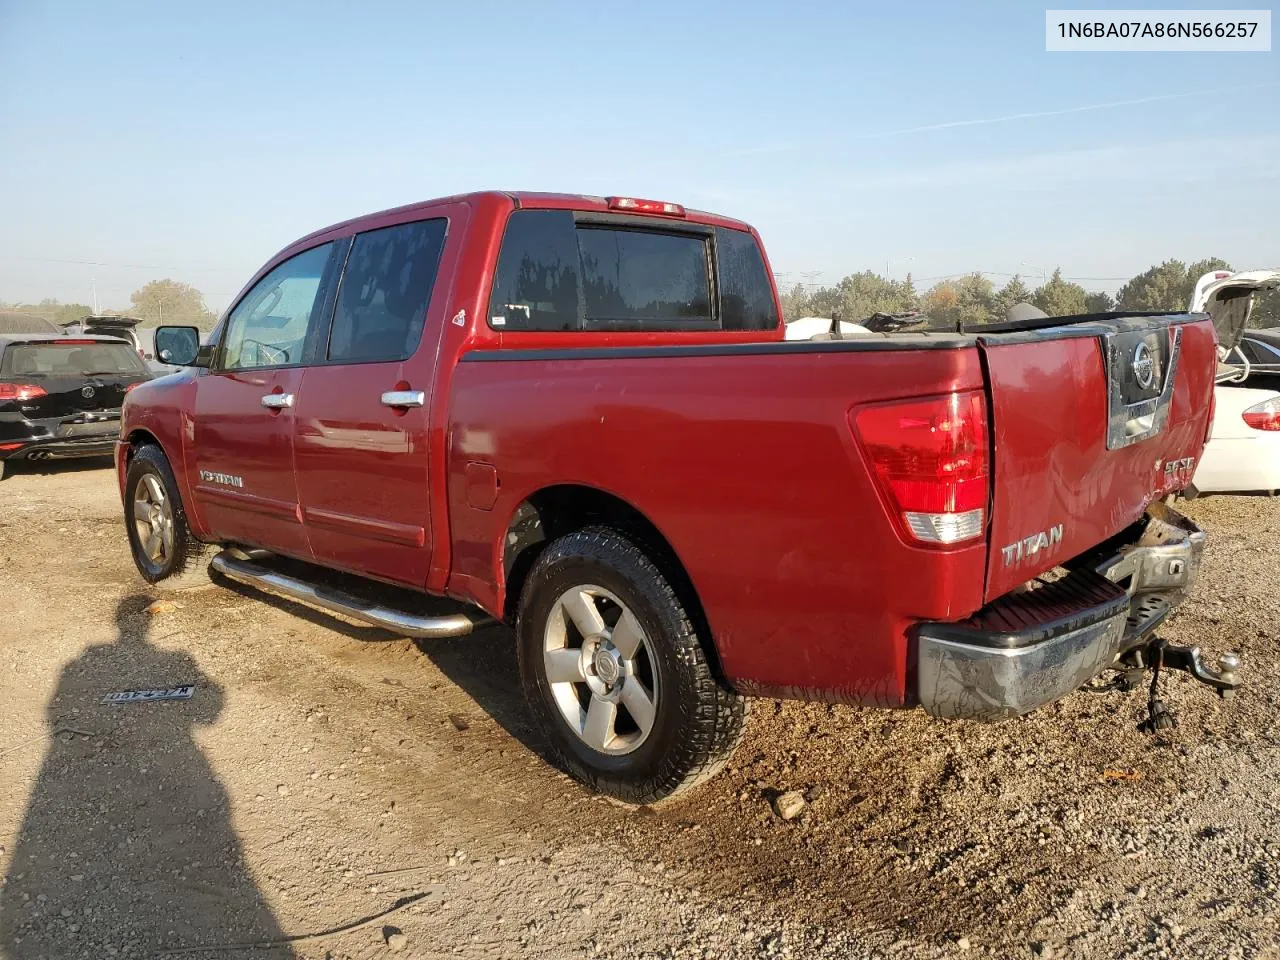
{"x":160,"y":301}
{"x":973,"y":299}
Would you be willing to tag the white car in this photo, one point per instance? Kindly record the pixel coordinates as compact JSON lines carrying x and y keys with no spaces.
{"x":1243,"y":452}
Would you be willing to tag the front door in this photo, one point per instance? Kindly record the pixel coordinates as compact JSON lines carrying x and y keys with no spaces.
{"x":241,"y":464}
{"x":361,"y":422}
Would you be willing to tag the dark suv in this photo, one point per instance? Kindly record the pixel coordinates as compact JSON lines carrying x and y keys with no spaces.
{"x":60,"y":396}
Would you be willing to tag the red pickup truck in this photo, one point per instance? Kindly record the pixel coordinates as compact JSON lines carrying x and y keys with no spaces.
{"x":579,"y":415}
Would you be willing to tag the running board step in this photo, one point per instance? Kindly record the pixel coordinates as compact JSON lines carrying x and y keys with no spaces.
{"x":238,"y":568}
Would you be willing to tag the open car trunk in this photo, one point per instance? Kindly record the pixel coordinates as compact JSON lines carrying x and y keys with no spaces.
{"x":1229,"y":299}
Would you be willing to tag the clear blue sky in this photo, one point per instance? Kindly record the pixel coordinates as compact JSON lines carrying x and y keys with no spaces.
{"x":193,"y":141}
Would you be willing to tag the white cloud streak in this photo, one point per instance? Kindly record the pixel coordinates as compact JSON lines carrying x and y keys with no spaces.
{"x":1008,"y":118}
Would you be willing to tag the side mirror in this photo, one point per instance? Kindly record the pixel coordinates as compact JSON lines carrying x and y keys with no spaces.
{"x":179,"y":346}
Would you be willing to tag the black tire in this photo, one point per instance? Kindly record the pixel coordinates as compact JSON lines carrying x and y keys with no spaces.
{"x":186,"y":551}
{"x":696,"y":723}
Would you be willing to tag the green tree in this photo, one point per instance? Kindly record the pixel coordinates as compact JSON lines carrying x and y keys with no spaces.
{"x":1060,"y":298}
{"x":1166,"y":287}
{"x":1015,"y":291}
{"x":854,"y":298}
{"x":1099,"y":302}
{"x":964,"y":302}
{"x":171,"y":302}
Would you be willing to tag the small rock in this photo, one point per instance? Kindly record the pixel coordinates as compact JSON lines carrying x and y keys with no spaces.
{"x":459,"y":722}
{"x":397,"y":941}
{"x":963,"y":943}
{"x":282,"y":790}
{"x":162,"y":606}
{"x":789,"y":805}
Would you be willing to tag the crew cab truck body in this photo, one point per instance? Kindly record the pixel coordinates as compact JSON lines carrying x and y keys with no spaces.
{"x":580,"y":416}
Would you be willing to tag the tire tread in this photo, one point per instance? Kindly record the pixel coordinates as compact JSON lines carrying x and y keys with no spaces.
{"x":714,"y":717}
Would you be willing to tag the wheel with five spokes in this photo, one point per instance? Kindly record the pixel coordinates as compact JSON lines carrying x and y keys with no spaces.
{"x":616,"y":672}
{"x":159,"y":538}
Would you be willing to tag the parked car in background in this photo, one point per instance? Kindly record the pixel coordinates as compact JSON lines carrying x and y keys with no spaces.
{"x":1243,"y":452}
{"x":60,"y":397}
{"x":580,"y":415}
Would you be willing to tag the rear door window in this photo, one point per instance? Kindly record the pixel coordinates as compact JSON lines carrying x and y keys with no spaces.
{"x":71,"y":360}
{"x":536,"y":284}
{"x":558,"y":273}
{"x":385,"y":291}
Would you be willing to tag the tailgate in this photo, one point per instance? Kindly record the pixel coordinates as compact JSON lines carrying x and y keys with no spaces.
{"x":1090,"y":423}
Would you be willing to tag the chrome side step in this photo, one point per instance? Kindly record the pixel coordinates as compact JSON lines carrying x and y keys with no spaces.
{"x":235,"y":565}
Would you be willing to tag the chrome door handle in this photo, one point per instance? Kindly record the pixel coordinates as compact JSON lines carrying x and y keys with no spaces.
{"x":277,"y":401}
{"x":404,"y":398}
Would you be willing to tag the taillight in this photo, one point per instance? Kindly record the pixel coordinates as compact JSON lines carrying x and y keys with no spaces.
{"x":1264,"y":415}
{"x":21,"y":391}
{"x":645,"y":206}
{"x":930,"y":456}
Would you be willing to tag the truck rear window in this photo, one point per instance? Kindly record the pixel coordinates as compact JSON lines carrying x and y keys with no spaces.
{"x":557,"y":274}
{"x":54,"y":359}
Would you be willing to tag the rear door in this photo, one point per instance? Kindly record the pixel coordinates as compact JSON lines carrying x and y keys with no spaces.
{"x":360,"y":427}
{"x":241,"y":441}
{"x":1090,"y":424}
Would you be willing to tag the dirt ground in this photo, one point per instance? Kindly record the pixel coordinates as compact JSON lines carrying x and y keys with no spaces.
{"x":323,"y":773}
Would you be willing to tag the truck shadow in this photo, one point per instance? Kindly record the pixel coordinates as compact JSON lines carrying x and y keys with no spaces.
{"x":127,"y":813}
{"x":482,"y":664}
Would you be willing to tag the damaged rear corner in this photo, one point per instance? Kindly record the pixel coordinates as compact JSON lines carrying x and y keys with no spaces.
{"x":1046,"y":638}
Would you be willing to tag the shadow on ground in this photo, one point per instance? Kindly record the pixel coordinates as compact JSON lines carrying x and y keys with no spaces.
{"x":127,"y":811}
{"x":481,"y":664}
{"x":14,"y":468}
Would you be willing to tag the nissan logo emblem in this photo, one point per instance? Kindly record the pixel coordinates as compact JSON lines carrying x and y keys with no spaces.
{"x":87,"y":392}
{"x":1144,"y":366}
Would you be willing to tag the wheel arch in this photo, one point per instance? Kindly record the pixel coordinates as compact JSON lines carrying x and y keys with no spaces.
{"x":141,"y":436}
{"x":554,"y":511}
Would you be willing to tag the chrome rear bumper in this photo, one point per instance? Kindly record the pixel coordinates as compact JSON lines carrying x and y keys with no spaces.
{"x":1028,"y":649}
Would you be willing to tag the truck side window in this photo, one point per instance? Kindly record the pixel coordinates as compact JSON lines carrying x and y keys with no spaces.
{"x":746,"y":296}
{"x":535,"y":286}
{"x":386,"y":288}
{"x":268,"y":327}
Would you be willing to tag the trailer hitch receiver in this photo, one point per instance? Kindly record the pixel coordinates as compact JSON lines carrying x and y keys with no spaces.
{"x":1159,"y":654}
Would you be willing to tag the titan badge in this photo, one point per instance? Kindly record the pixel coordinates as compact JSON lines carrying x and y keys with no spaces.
{"x":1028,"y":547}
{"x":226,"y":479}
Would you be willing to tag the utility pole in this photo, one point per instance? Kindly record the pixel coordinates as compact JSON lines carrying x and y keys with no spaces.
{"x":93,"y":283}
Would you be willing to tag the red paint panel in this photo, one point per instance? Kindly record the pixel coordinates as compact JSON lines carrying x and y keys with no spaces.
{"x":1052,"y":465}
{"x":279,"y":509}
{"x":748,"y":466}
{"x":362,"y":471}
{"x":235,"y":435}
{"x":403,"y":533}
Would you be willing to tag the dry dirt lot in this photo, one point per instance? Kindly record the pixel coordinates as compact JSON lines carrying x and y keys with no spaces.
{"x":322,"y":773}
